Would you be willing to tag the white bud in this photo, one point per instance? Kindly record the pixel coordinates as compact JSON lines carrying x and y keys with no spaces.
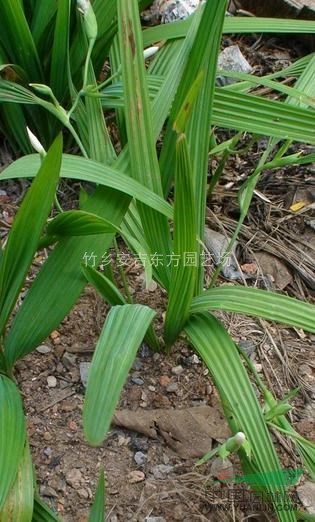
{"x":240,"y":438}
{"x":150,"y":51}
{"x":36,"y":144}
{"x":83,"y":5}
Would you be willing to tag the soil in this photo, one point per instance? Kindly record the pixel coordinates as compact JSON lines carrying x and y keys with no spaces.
{"x":145,"y":477}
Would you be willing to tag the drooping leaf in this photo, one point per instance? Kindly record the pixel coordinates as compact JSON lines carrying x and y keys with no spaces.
{"x":259,"y":303}
{"x":26,"y":230}
{"x":12,"y":435}
{"x":123,"y":331}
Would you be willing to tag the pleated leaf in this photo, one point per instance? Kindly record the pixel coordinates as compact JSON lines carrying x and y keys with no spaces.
{"x":76,"y":167}
{"x":231,"y":25}
{"x":219,"y":353}
{"x":121,"y":336}
{"x":258,"y":303}
{"x":139,"y":126}
{"x":26,"y":230}
{"x":12,"y":436}
{"x":20,"y":500}
{"x":97,"y":513}
{"x":185,"y":259}
{"x":79,"y":223}
{"x":104,"y":286}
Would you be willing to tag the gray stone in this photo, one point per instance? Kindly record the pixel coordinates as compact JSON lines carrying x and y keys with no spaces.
{"x":69,"y":360}
{"x":137,"y":380}
{"x":172,"y":387}
{"x":84,"y":372}
{"x":51,"y":381}
{"x":177,"y":370}
{"x":43,"y":348}
{"x":306,"y":494}
{"x":231,"y":59}
{"x":74,"y":478}
{"x":155,"y":519}
{"x":140,"y":458}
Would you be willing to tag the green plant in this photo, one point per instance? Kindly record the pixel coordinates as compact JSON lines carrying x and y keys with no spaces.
{"x":176,"y":94}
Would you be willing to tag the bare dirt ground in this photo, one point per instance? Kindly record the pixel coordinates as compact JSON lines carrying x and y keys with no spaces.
{"x":145,"y":476}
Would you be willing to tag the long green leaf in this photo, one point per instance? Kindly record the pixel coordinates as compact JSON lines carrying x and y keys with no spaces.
{"x":259,"y":303}
{"x":97,"y":513}
{"x":240,"y":403}
{"x":19,"y":503}
{"x":140,"y":132}
{"x":184,"y":268}
{"x":26,"y":230}
{"x":76,"y":167}
{"x":231,"y":25}
{"x":42,"y":513}
{"x":59,"y":58}
{"x":116,"y":349}
{"x":12,"y":435}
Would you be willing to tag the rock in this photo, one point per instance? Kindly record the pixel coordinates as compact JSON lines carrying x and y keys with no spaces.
{"x":164,"y":380}
{"x":177,"y":370}
{"x":169,"y":10}
{"x":137,"y":380}
{"x":272,"y":266}
{"x":258,"y":367}
{"x":43,"y":348}
{"x":161,"y":470}
{"x":83,"y":493}
{"x":51,"y":381}
{"x":216,"y":245}
{"x":140,"y":444}
{"x":140,"y":458}
{"x":306,"y":494}
{"x":135,"y":476}
{"x":69,"y":360}
{"x":145,"y":351}
{"x":155,"y":519}
{"x":222,"y":469}
{"x":74,"y":478}
{"x":232,"y":59}
{"x":47,"y":491}
{"x":193,"y":359}
{"x":172,"y":387}
{"x":84,"y":372}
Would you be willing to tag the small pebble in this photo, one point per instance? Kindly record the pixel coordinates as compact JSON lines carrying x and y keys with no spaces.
{"x":137,"y":381}
{"x":164,"y":380}
{"x":135,"y":476}
{"x":177,"y":370}
{"x":51,"y":381}
{"x":84,"y":372}
{"x":43,"y":348}
{"x":172,"y":387}
{"x":74,"y":478}
{"x":155,"y":519}
{"x":140,"y":458}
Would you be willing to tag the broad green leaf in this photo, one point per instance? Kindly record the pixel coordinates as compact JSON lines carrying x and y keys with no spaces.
{"x":42,"y":513}
{"x":241,"y":406}
{"x":259,"y":303}
{"x":19,"y":502}
{"x":231,"y":25}
{"x":140,"y":131}
{"x":76,"y":167}
{"x":185,"y":259}
{"x":79,"y":223}
{"x":26,"y":230}
{"x":59,"y":57}
{"x":12,"y":435}
{"x":97,"y":513}
{"x":121,"y":336}
{"x":243,"y":112}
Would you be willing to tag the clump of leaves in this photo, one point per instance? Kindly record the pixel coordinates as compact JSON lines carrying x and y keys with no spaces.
{"x":62,"y":54}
